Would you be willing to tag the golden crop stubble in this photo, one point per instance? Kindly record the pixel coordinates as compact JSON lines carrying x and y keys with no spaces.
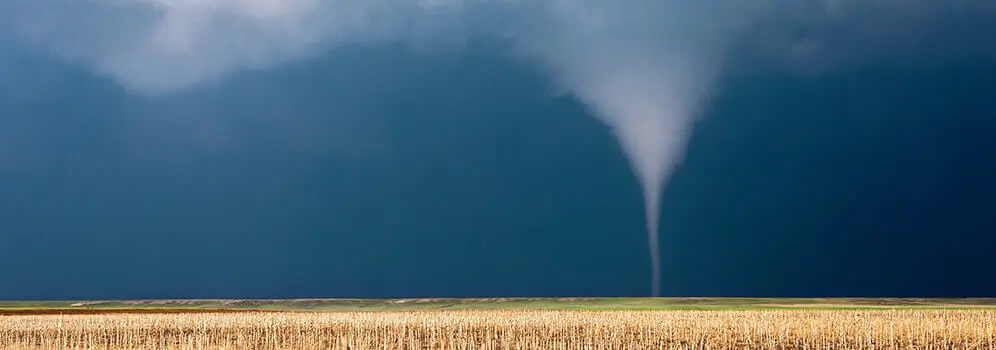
{"x":510,"y":329}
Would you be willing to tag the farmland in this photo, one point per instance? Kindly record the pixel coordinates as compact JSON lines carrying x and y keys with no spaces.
{"x":503,"y":324}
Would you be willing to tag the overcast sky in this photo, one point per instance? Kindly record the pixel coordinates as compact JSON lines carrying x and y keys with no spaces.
{"x":304,"y":148}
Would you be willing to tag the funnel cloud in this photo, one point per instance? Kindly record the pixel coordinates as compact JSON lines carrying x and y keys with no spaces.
{"x":644,"y":74}
{"x":646,"y":69}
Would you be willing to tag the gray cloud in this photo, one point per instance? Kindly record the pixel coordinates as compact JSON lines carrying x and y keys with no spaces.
{"x":156,"y":46}
{"x":153,"y":46}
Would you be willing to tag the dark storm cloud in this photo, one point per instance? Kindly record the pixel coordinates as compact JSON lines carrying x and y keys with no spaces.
{"x":644,"y":68}
{"x":804,"y":36}
{"x":219,"y":129}
{"x":164,"y":45}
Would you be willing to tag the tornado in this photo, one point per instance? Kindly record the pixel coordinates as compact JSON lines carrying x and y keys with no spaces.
{"x":651,"y":118}
{"x":645,"y":77}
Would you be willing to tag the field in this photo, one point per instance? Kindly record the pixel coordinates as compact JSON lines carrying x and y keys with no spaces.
{"x":696,"y":323}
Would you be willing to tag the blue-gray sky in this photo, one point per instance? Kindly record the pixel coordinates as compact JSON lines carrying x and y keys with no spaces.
{"x":399,"y":148}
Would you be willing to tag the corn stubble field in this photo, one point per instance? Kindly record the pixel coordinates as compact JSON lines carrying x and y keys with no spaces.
{"x":509,"y":329}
